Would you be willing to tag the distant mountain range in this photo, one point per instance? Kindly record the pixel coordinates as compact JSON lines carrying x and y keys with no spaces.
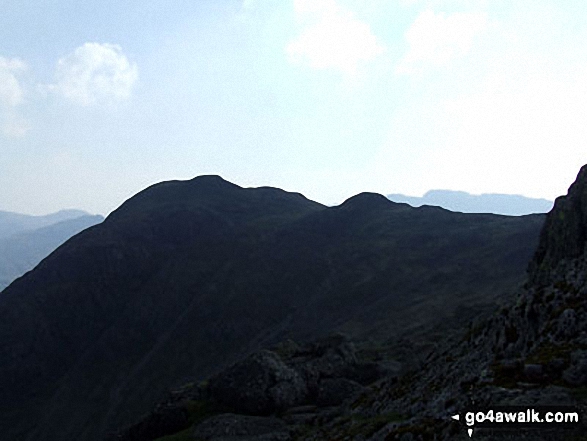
{"x":460,"y":201}
{"x":25,"y":240}
{"x":12,"y":223}
{"x":187,"y":277}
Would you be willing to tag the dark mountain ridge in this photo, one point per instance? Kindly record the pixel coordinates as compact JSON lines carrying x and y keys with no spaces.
{"x":186,"y":277}
{"x":531,"y":352}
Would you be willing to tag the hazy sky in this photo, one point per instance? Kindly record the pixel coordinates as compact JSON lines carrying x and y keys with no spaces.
{"x":328,"y":98}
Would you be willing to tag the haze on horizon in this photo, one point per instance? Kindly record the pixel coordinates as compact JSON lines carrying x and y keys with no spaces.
{"x":327,"y":98}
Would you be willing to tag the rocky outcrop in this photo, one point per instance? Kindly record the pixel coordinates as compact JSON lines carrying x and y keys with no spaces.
{"x":268,"y":396}
{"x":259,"y":385}
{"x":325,"y":372}
{"x":564,"y":234}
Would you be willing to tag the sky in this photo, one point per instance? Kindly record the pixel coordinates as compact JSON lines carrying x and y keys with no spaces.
{"x":329,"y":98}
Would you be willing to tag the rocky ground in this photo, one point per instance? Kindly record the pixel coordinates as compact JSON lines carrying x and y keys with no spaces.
{"x":532,"y":353}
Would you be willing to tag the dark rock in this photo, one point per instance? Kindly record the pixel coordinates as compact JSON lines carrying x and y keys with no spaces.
{"x":301,"y":415}
{"x":308,"y":408}
{"x":555,"y":367}
{"x":533,"y":372}
{"x":331,"y":357}
{"x":367,"y":372}
{"x":546,"y":396}
{"x":564,"y":233}
{"x":259,"y":385}
{"x":567,"y":324}
{"x":333,"y":391}
{"x":240,"y":428}
{"x":510,"y":366}
{"x":407,"y":437}
{"x":163,"y":421}
{"x":576,"y":374}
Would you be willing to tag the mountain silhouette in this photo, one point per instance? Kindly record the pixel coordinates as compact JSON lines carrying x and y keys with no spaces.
{"x":531,"y":352}
{"x":187,"y":277}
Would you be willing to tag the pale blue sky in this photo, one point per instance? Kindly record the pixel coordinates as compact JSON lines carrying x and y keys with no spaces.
{"x":328,"y":98}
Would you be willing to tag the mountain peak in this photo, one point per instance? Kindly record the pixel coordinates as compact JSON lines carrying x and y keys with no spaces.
{"x":211,"y":180}
{"x":177,"y":192}
{"x":564,"y":234}
{"x":367,"y":201}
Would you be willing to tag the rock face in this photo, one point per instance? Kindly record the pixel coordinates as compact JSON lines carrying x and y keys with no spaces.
{"x":564,"y":235}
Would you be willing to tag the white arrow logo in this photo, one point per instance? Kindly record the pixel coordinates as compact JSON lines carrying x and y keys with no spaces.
{"x":457,"y":417}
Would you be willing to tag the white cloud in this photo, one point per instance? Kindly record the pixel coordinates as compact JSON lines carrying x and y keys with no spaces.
{"x":14,"y":126}
{"x":10,"y":89}
{"x":510,"y":118}
{"x":11,"y":96}
{"x":516,"y":130}
{"x":95,"y":73}
{"x":333,"y":38}
{"x":521,"y":129}
{"x":436,"y":39}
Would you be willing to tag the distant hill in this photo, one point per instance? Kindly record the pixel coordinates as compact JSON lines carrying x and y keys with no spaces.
{"x":12,"y":223}
{"x":508,"y":204}
{"x":187,"y":277}
{"x":26,"y":240}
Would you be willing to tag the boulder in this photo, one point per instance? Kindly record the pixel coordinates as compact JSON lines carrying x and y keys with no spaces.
{"x":332,"y":357}
{"x":261,"y":384}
